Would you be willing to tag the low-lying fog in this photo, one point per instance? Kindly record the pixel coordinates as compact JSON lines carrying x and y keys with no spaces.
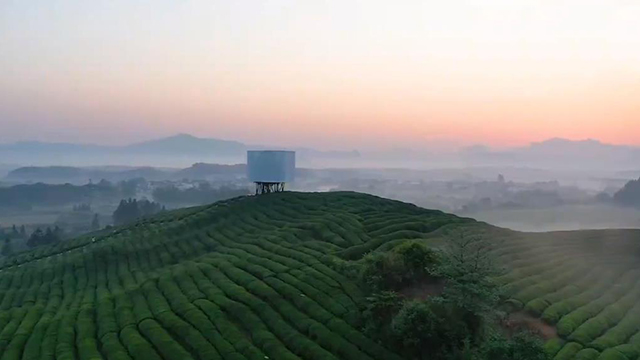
{"x":553,"y":185}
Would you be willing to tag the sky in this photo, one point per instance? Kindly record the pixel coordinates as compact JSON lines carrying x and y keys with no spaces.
{"x":329,"y":74}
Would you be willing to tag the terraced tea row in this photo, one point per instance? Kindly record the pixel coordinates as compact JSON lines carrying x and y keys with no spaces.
{"x":249,"y":278}
{"x":585,"y":283}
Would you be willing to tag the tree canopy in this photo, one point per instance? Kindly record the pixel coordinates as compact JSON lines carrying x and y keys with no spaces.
{"x":46,"y":237}
{"x":131,"y":210}
{"x":629,"y":195}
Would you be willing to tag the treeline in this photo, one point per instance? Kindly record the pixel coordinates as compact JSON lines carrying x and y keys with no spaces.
{"x":37,"y":238}
{"x":45,"y":237}
{"x":629,"y":195}
{"x":132,"y":209}
{"x":27,"y":196}
{"x":14,"y":232}
{"x":202,"y":194}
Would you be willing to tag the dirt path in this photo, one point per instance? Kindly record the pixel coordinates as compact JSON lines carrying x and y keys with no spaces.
{"x":523,"y":321}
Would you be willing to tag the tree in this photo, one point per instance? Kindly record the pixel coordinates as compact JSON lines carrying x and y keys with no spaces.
{"x":23,"y":232}
{"x":14,"y":232}
{"x":95,"y":223}
{"x":404,"y":265}
{"x":39,"y":237}
{"x":36,"y":238}
{"x":380,"y":309}
{"x":7,"y":248}
{"x":468,"y":269}
{"x":458,"y":323}
{"x":131,"y":210}
{"x":126,"y":212}
{"x":629,"y":195}
{"x":430,"y":329}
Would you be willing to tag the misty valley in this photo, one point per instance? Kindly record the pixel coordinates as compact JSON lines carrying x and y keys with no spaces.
{"x":74,"y":200}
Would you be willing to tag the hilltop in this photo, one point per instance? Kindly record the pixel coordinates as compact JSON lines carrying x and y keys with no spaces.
{"x":250,"y":278}
{"x":260,"y":278}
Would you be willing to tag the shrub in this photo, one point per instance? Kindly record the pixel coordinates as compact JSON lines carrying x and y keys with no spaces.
{"x":162,"y":341}
{"x":520,"y":346}
{"x":553,"y":346}
{"x":568,"y":352}
{"x":429,"y":325}
{"x":406,"y":264}
{"x":587,"y":354}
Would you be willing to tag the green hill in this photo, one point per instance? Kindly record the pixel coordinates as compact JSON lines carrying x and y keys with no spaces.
{"x":259,"y":278}
{"x":250,"y":278}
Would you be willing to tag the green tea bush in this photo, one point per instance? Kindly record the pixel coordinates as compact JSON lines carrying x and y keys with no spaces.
{"x":587,"y":354}
{"x":162,"y":340}
{"x":569,"y":351}
{"x":553,"y":346}
{"x":136,"y":345}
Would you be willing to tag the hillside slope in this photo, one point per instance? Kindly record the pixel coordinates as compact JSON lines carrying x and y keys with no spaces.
{"x":257,"y":278}
{"x":585,"y":283}
{"x":249,"y":278}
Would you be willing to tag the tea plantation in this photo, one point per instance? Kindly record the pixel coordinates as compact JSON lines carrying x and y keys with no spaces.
{"x":250,"y":278}
{"x":259,"y":278}
{"x":586,"y":283}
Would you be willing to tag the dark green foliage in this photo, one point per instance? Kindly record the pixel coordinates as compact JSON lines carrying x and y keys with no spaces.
{"x":162,"y":340}
{"x":381,"y":308}
{"x":429,"y":325}
{"x":263,"y":276}
{"x":406,"y":264}
{"x":469,"y":269}
{"x":46,"y":237}
{"x":131,"y":210}
{"x":520,"y":346}
{"x":244,"y":279}
{"x":569,"y":351}
{"x":455,"y":324}
{"x":587,"y":354}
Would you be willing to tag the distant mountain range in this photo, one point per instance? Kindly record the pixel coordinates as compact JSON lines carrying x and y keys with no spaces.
{"x":560,"y":154}
{"x":184,"y":144}
{"x":183,"y":150}
{"x":177,"y":150}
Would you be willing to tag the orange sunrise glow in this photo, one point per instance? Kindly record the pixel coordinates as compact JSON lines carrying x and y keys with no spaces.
{"x":332,"y":74}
